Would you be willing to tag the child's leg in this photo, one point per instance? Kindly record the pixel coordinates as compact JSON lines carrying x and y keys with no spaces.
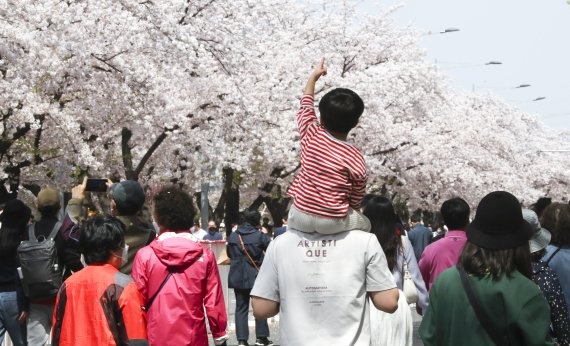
{"x":301,"y":221}
{"x":354,"y":221}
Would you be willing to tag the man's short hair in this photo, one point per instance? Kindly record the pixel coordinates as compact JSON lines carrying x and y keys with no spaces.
{"x":129,"y":197}
{"x":416,"y":217}
{"x":174,"y":209}
{"x":340,"y":110}
{"x":455,"y":213}
{"x":252,"y":216}
{"x":100,"y":236}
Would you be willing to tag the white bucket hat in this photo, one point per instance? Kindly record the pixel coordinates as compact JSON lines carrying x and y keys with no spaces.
{"x":541,"y":236}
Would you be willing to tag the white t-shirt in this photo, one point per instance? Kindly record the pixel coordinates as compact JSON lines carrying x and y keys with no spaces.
{"x":321,"y":283}
{"x":198,"y":232}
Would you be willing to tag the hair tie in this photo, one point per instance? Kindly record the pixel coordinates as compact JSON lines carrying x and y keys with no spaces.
{"x":398,"y":232}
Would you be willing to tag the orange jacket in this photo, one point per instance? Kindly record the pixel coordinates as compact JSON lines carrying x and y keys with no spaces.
{"x":99,"y":306}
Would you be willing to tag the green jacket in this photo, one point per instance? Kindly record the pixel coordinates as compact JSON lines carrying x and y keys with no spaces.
{"x":514,"y":304}
{"x":137,"y":234}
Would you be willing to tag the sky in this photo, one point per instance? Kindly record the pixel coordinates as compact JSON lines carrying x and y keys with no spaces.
{"x":531,"y":39}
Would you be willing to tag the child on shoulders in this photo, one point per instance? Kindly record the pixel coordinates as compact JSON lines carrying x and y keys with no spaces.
{"x":328,"y":191}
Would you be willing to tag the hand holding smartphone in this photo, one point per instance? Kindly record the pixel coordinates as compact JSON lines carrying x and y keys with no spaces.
{"x":96,"y":185}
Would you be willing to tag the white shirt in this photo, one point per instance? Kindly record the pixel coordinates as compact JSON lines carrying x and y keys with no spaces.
{"x":321,"y":283}
{"x":198,"y":232}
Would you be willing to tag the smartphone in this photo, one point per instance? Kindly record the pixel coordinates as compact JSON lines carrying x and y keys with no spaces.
{"x":96,"y":185}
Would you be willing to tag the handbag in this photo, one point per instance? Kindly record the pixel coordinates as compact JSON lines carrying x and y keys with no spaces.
{"x":409,"y":287}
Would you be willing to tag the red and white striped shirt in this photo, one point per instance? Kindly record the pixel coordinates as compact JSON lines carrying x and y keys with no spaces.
{"x":333,"y":175}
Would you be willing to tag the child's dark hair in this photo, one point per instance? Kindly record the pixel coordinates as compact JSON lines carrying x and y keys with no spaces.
{"x":340,"y":110}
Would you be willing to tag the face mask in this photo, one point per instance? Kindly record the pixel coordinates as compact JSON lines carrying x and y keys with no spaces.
{"x":124,"y":255}
{"x":212,"y":230}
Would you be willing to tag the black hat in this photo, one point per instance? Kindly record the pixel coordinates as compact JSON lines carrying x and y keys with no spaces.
{"x":15,"y":214}
{"x":499,"y":223}
{"x":128,"y":196}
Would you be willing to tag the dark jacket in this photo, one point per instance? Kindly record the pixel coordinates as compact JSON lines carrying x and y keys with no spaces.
{"x":242,"y":273}
{"x":279,"y":230}
{"x":10,"y":282}
{"x":420,"y":237}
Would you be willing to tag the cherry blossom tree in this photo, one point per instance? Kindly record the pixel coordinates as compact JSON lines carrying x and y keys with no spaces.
{"x":186,"y":91}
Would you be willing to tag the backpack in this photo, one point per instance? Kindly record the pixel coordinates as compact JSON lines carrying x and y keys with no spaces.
{"x":40,"y":271}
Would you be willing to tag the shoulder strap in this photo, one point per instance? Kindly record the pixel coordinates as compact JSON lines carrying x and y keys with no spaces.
{"x":151,"y":300}
{"x":247,"y":253}
{"x":482,"y":315}
{"x":55,"y":229}
{"x":554,"y":253}
{"x":32,"y":232}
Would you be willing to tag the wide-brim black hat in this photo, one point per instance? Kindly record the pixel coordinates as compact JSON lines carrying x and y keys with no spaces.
{"x":499,"y":223}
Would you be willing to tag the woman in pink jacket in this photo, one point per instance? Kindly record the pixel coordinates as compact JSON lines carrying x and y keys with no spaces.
{"x":179,"y":278}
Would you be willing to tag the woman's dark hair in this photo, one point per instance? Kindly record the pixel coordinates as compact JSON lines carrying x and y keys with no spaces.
{"x":536,"y":256}
{"x":480,"y":262}
{"x":385,"y":224}
{"x":174,"y":209}
{"x":252,"y":216}
{"x":455,"y":213}
{"x":10,"y":238}
{"x":100,"y":236}
{"x":556,"y":219}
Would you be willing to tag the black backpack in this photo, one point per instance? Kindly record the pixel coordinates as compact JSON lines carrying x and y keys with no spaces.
{"x":40,"y":271}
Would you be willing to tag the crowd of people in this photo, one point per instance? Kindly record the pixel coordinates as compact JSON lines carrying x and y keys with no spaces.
{"x":345,"y":268}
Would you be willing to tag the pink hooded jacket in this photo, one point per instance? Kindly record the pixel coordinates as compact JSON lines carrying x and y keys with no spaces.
{"x":176,"y":316}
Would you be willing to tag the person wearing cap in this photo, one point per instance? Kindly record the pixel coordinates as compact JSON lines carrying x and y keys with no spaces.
{"x":127,"y":200}
{"x":49,"y":205}
{"x":556,"y":219}
{"x":14,"y":306}
{"x":547,"y":280}
{"x":488,"y":297}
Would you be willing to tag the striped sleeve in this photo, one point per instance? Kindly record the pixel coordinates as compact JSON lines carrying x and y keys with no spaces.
{"x":306,"y":117}
{"x":359,"y":180}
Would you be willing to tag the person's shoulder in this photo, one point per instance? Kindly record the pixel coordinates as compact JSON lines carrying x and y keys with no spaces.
{"x":449,"y":275}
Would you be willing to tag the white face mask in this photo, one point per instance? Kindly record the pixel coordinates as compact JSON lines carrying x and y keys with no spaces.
{"x":124,"y":255}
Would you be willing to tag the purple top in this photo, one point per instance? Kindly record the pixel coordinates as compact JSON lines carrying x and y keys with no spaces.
{"x":441,"y":255}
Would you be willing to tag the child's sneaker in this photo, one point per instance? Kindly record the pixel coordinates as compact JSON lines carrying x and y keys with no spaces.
{"x":264,"y":341}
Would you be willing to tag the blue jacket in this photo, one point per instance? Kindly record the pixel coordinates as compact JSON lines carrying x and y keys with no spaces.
{"x":420,"y":237}
{"x":279,"y":230}
{"x":213,"y":236}
{"x":242,"y":273}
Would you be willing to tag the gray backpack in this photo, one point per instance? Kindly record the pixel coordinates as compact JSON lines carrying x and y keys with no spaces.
{"x":40,"y":271}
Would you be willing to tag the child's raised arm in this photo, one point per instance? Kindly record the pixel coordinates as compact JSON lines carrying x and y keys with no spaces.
{"x":321,"y":70}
